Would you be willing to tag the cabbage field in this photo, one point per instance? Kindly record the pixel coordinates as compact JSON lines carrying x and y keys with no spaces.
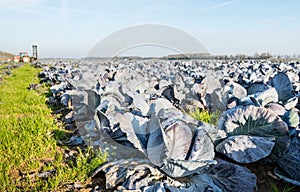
{"x":138,"y":111}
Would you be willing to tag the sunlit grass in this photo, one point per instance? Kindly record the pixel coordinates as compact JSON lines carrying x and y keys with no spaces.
{"x":27,"y":136}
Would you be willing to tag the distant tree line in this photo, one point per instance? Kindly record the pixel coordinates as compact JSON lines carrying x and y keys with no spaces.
{"x":5,"y":55}
{"x":208,"y":56}
{"x":219,"y":57}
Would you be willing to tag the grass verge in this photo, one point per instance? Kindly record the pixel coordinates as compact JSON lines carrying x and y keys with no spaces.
{"x":27,"y":144}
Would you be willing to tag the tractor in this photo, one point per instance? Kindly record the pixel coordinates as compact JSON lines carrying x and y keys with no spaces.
{"x":23,"y":56}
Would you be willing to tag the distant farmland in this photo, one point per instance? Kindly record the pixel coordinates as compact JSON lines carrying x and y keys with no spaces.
{"x":5,"y":55}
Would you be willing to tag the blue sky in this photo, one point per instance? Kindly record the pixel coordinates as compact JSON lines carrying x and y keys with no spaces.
{"x":70,"y":28}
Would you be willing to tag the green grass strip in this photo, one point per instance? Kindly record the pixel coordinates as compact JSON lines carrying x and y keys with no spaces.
{"x":24,"y":123}
{"x":26,"y":138}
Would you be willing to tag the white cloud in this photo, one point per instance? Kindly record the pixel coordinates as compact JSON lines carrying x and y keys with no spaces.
{"x":219,"y":5}
{"x":18,"y":3}
{"x":276,"y":20}
{"x":64,"y":9}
